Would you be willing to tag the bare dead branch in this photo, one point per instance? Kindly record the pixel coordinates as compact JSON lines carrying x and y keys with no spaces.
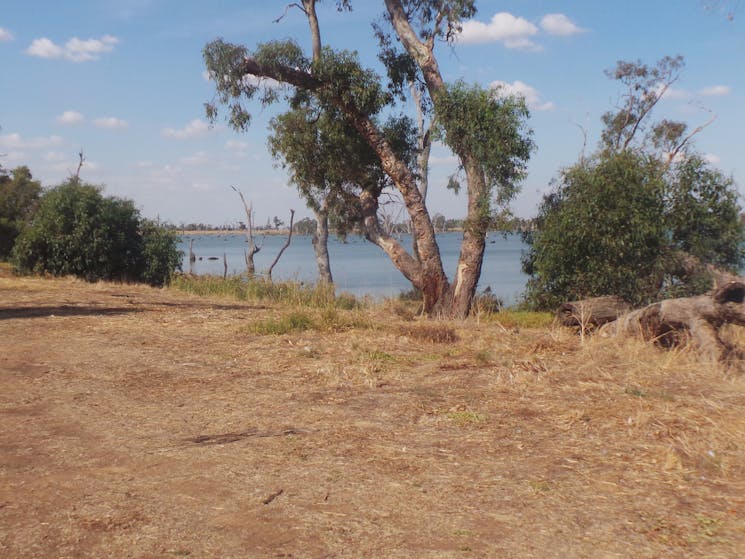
{"x":287,"y":9}
{"x":671,"y":156}
{"x":80,"y":164}
{"x":281,"y":251}
{"x":252,"y":247}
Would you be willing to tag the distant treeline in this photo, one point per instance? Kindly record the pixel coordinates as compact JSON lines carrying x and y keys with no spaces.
{"x":307,"y":226}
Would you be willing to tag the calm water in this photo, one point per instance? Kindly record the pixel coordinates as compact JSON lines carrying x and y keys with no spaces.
{"x":358,"y":266}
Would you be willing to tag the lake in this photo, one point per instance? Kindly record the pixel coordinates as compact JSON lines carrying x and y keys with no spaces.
{"x":358,"y":266}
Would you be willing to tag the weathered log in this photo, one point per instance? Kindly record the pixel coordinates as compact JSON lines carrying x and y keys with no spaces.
{"x":694,"y":320}
{"x":591,"y":313}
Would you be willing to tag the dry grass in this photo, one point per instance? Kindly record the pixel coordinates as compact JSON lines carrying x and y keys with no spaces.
{"x":155,"y":423}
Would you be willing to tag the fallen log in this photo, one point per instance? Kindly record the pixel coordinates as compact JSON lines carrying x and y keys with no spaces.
{"x":591,"y":313}
{"x":695,"y":320}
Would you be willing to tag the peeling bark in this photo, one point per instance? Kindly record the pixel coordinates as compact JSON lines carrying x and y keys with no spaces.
{"x":321,"y":246}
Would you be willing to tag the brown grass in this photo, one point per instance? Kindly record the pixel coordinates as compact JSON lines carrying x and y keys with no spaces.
{"x":137,"y":422}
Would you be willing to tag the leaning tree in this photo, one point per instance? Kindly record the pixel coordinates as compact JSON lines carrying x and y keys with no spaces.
{"x":486,"y":132}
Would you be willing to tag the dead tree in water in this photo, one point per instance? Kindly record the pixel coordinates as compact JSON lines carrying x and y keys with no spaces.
{"x":252,"y":247}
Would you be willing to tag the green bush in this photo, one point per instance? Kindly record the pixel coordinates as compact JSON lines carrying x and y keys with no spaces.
{"x":622,"y":223}
{"x":19,"y":194}
{"x":77,"y":231}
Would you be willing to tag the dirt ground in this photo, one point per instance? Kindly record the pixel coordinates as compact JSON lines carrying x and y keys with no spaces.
{"x":138,"y":422}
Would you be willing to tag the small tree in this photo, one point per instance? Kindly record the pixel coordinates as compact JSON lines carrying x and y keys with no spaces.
{"x":77,"y":231}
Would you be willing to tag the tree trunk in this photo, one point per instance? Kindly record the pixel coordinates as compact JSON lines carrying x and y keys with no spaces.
{"x":321,"y":246}
{"x":697,"y":320}
{"x":456,"y":301}
{"x":422,"y":158}
{"x":252,"y":248}
{"x":309,"y":6}
{"x":592,"y":313}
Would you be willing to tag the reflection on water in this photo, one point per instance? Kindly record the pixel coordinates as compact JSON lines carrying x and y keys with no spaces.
{"x":359,"y":267}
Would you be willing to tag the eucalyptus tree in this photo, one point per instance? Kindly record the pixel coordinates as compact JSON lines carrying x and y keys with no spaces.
{"x":487,"y":133}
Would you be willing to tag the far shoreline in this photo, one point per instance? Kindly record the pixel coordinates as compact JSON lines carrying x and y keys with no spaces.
{"x":203,"y":232}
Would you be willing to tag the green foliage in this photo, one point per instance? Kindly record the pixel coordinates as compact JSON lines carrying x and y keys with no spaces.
{"x":19,"y":194}
{"x":330,"y":163}
{"x":77,"y":231}
{"x":305,"y":226}
{"x":615,"y":226}
{"x":293,"y":322}
{"x":703,"y":214}
{"x":160,"y":256}
{"x":491,"y":128}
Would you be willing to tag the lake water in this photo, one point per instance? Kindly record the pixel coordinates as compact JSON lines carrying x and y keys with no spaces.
{"x":358,"y":266}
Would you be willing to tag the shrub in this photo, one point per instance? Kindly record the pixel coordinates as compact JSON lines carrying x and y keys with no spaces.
{"x":624,"y":224}
{"x":77,"y":231}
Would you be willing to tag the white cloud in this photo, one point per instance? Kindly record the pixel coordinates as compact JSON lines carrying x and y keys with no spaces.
{"x":75,"y":50}
{"x":257,"y":81}
{"x":54,"y":156}
{"x":513,"y":32}
{"x":521,"y":89}
{"x":198,"y":158}
{"x":715,"y":91}
{"x":559,"y":24}
{"x":712,"y":158}
{"x":194,"y":129}
{"x":144,"y":164}
{"x":236,"y":146}
{"x":110,"y":122}
{"x":444,"y":160}
{"x":70,"y":117}
{"x":16,"y":141}
{"x":5,"y":35}
{"x":14,"y":157}
{"x":673,"y":93}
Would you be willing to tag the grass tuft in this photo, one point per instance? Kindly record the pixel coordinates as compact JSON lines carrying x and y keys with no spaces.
{"x":435,"y":333}
{"x":293,"y":322}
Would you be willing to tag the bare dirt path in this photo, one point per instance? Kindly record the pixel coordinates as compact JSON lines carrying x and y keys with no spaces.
{"x":137,"y":422}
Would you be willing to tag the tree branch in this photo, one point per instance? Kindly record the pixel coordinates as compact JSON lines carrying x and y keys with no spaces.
{"x":671,"y":156}
{"x":282,"y":250}
{"x":287,"y":9}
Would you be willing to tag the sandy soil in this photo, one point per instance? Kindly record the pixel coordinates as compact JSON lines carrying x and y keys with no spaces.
{"x":137,"y":422}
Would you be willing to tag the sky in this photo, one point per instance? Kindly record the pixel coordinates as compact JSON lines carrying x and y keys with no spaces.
{"x":124,"y":81}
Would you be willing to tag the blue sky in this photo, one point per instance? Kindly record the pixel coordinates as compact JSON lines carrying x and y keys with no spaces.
{"x":124,"y":80}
